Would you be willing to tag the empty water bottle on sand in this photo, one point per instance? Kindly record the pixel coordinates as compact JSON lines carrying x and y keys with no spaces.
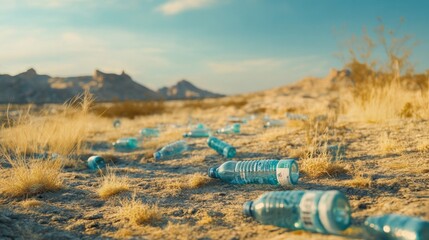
{"x":126,"y":144}
{"x":274,"y":123}
{"x":149,"y":132}
{"x":171,"y":149}
{"x":221,"y":147}
{"x":231,"y":129}
{"x":276,"y":172}
{"x":197,"y":133}
{"x":397,"y":227}
{"x":116,"y":123}
{"x":96,"y":163}
{"x":234,"y":119}
{"x":316,"y":211}
{"x":296,"y":117}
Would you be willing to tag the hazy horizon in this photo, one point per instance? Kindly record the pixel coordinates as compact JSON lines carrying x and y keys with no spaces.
{"x":245,"y":45}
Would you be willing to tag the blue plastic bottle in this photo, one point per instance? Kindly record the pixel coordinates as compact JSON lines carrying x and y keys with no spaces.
{"x":274,"y":123}
{"x":276,"y":172}
{"x":96,"y":162}
{"x":397,"y":227}
{"x":221,"y":147}
{"x":197,"y":133}
{"x":149,"y":132}
{"x":297,"y":117}
{"x":326,"y":212}
{"x":231,"y":129}
{"x":171,"y":149}
{"x":116,"y":123}
{"x":126,"y":144}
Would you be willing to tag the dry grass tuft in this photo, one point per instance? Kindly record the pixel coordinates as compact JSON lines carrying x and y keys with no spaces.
{"x":193,"y":181}
{"x":423,"y":146}
{"x":26,"y":178}
{"x":205,"y":219}
{"x":197,"y":180}
{"x":137,"y":213}
{"x":61,"y":133}
{"x":360,"y":182}
{"x":30,"y":203}
{"x":387,"y":144}
{"x":321,"y":166}
{"x":112,"y":185}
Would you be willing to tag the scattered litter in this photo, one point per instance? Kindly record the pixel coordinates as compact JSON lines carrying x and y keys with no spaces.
{"x":96,"y":163}
{"x":276,"y":172}
{"x":221,"y":147}
{"x":126,"y":144}
{"x":171,"y":149}
{"x":230,"y":129}
{"x":326,"y":212}
{"x":397,"y":227}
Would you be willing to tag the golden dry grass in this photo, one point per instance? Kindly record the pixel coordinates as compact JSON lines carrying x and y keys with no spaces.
{"x":360,"y":182}
{"x":387,"y":144}
{"x":61,"y":133}
{"x":205,"y":219}
{"x":320,"y":166}
{"x":135,"y":212}
{"x":112,"y":185}
{"x":30,"y":203}
{"x":26,"y":178}
{"x":423,"y":145}
{"x":384,"y":103}
{"x":193,"y":181}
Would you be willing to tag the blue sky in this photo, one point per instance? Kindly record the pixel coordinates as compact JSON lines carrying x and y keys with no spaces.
{"x":228,"y":46}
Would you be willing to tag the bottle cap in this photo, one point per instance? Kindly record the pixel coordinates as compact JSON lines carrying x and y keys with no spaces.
{"x":247,"y":208}
{"x":212,"y":172}
{"x":157,"y":155}
{"x":334,"y":211}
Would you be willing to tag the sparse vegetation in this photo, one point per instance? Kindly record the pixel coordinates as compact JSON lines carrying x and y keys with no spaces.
{"x":61,"y":133}
{"x":134,"y":212}
{"x":27,"y":178}
{"x":112,"y":185}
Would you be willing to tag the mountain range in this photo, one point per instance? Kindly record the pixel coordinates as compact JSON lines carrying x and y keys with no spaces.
{"x":31,"y":87}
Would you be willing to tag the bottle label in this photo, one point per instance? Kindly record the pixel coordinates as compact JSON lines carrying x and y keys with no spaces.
{"x":282,"y":173}
{"x":308,"y":210}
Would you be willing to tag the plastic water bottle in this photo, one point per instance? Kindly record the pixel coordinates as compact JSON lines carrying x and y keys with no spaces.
{"x":274,"y":123}
{"x":315,"y":211}
{"x":398,"y":227}
{"x":297,"y":117}
{"x":221,"y":147}
{"x":197,"y":133}
{"x":234,"y":128}
{"x":234,"y":119}
{"x":149,"y":132}
{"x":276,"y":172}
{"x":116,"y":123}
{"x":96,"y":163}
{"x":126,"y":144}
{"x":171,"y":149}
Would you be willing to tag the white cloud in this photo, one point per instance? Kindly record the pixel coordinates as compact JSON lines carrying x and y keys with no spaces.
{"x":172,"y":7}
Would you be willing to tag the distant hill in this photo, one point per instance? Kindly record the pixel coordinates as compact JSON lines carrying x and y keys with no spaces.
{"x":186,"y":90}
{"x":31,"y":87}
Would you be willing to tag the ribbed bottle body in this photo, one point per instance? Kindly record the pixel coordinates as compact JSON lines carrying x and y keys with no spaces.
{"x":270,"y":171}
{"x":149,"y":132}
{"x":315,"y":211}
{"x":171,"y":149}
{"x":398,"y":227}
{"x":126,"y":144}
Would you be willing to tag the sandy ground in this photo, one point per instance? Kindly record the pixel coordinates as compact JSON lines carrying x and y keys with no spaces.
{"x":399,"y":177}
